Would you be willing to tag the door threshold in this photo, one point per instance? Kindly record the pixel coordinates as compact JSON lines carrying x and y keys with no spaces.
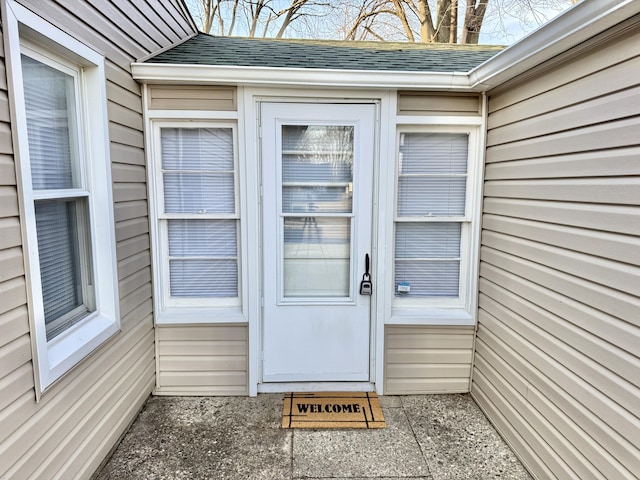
{"x":285,"y":387}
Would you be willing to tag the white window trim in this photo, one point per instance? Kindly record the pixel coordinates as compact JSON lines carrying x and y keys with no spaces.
{"x":54,"y":358}
{"x":443,"y":311}
{"x":169,"y":310}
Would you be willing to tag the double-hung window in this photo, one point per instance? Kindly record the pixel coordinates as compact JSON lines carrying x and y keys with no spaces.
{"x":432,"y":219}
{"x":198,"y":219}
{"x":60,"y":193}
{"x":62,"y":150}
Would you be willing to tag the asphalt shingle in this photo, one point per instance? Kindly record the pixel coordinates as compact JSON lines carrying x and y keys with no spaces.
{"x":334,"y":55}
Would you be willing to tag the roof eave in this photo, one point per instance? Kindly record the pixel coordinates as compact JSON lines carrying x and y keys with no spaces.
{"x":298,"y":77}
{"x":581,"y":22}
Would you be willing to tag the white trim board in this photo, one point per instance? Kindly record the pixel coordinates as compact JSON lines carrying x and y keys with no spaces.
{"x":300,"y":77}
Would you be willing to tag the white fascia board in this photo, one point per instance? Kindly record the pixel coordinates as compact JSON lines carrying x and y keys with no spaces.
{"x":581,"y":22}
{"x":297,"y":77}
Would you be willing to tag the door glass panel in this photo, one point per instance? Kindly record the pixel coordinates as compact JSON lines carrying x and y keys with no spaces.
{"x":317,"y":190}
{"x":318,"y":199}
{"x":316,"y":256}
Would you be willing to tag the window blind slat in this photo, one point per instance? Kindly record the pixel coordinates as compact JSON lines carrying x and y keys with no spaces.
{"x":317,"y":138}
{"x":198,"y":177}
{"x":431,"y":182}
{"x":301,"y":232}
{"x":320,"y":199}
{"x":195,"y":238}
{"x":317,"y":153}
{"x":53,"y":138}
{"x":59,"y":257}
{"x":336,"y":167}
{"x":425,"y":196}
{"x":433,"y":153}
{"x":322,"y":156}
{"x":432,"y":240}
{"x":428,"y":279}
{"x":49,"y":103}
{"x":206,"y":149}
{"x":199,"y":193}
{"x":203,"y":278}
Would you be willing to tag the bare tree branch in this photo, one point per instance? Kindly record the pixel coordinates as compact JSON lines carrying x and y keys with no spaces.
{"x":210,"y":9}
{"x":473,"y":19}
{"x":427,"y":28}
{"x":402,"y":16}
{"x":453,"y":33}
{"x":290,"y":15}
{"x":234,"y":14}
{"x":447,"y":21}
{"x":369,"y":12}
{"x":374,"y":34}
{"x":256,"y":10}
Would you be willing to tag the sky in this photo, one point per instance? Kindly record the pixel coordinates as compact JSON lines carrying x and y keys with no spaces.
{"x":507,"y":28}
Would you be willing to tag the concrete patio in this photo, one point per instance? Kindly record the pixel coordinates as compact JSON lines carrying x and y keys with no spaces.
{"x":434,"y":437}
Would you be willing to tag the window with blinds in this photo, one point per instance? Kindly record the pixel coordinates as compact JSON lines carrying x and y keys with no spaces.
{"x":200,"y":212}
{"x":430,"y":214}
{"x":61,"y":147}
{"x":60,"y":196}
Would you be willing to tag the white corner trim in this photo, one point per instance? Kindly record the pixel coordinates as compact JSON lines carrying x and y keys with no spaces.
{"x":581,"y":22}
{"x":304,"y":77}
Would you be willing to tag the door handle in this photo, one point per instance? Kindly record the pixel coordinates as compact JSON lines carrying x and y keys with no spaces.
{"x":366,"y":287}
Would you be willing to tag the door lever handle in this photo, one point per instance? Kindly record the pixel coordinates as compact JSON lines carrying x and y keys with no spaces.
{"x":366,"y":287}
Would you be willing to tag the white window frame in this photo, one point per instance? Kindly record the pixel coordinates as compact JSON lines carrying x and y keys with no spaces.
{"x":172,"y":310}
{"x":57,"y":356}
{"x":443,"y":310}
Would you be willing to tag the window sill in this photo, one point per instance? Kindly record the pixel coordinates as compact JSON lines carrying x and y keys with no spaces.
{"x":431,"y":316}
{"x":201,"y":316}
{"x":69,"y":348}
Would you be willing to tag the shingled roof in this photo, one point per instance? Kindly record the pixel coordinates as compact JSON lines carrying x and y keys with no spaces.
{"x":326,"y":54}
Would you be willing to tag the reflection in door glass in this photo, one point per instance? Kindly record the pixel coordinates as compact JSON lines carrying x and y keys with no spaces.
{"x":316,"y":256}
{"x":317,"y":191}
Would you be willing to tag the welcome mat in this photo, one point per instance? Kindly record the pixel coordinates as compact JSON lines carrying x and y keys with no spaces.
{"x":332,"y":410}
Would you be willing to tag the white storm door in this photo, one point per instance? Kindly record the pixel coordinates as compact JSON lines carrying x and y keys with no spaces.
{"x":317,"y":169}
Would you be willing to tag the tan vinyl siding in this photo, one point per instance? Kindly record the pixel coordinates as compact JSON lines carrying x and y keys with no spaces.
{"x":16,"y":374}
{"x":413,"y":103}
{"x":190,"y":97}
{"x":557,"y":358}
{"x":75,"y":424}
{"x":427,"y":359}
{"x":202,"y":359}
{"x":7,"y":170}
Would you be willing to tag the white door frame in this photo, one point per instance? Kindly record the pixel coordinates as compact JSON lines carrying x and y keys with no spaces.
{"x":249,"y":100}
